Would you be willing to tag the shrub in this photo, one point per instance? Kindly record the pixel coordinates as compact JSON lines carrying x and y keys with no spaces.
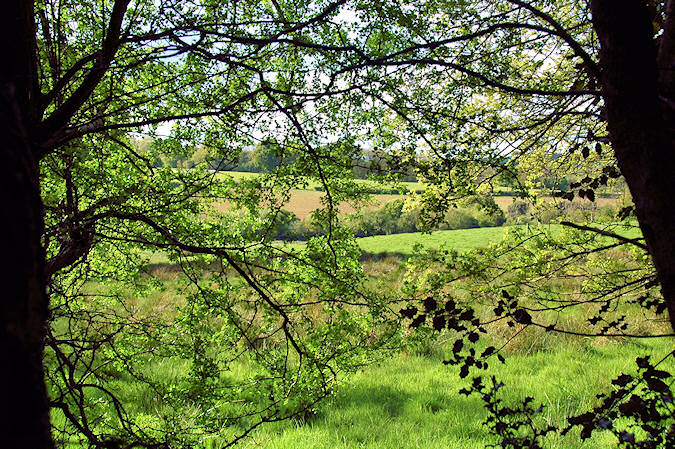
{"x":517,"y":209}
{"x":458,"y":219}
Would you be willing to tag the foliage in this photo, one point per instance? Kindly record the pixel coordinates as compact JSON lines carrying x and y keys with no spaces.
{"x":262,"y":331}
{"x":395,"y":217}
{"x":536,"y":281}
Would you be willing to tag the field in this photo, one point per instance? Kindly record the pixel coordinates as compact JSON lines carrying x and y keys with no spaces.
{"x":303,"y":201}
{"x":313,"y":184}
{"x":412,"y":400}
{"x":458,"y":239}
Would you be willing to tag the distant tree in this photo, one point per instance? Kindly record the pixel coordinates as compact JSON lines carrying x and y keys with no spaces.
{"x":266,"y":157}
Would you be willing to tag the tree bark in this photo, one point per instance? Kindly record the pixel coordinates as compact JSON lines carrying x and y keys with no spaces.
{"x":639,"y":119}
{"x":23,"y":313}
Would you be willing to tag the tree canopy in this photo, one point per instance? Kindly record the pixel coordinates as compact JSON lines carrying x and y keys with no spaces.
{"x":461,"y":91}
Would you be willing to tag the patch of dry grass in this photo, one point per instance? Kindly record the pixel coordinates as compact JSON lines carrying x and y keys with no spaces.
{"x":303,"y":202}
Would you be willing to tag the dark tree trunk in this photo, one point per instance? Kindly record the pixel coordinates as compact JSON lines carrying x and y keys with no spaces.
{"x":639,"y":118}
{"x":23,"y":395}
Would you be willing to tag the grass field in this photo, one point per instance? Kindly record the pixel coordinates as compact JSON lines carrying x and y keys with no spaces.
{"x":404,"y":244}
{"x":458,"y":239}
{"x":412,"y":401}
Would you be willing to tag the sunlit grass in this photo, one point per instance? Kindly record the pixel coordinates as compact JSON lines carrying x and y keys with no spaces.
{"x":458,"y":239}
{"x":412,"y":401}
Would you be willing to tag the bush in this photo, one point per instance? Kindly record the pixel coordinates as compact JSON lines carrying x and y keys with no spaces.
{"x":490,"y":219}
{"x":517,"y":209}
{"x":458,"y":219}
{"x":284,"y":226}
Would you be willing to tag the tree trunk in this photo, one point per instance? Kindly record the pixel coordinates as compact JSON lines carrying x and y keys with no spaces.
{"x":639,"y":118}
{"x":23,"y":395}
{"x":24,"y":304}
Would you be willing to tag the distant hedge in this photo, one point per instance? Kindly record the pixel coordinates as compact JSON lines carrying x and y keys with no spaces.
{"x":391,"y":218}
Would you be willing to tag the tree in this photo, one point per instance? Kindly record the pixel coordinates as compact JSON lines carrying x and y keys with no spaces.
{"x":265,"y":157}
{"x":76,"y":85}
{"x":568,"y":80}
{"x":82,"y":202}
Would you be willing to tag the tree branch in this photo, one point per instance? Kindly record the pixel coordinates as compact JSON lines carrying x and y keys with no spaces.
{"x":61,"y":115}
{"x":635,"y":242}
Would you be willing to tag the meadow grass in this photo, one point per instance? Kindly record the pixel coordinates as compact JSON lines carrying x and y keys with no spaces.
{"x":412,"y":400}
{"x":462,"y":239}
{"x":457,"y":239}
{"x":404,"y":244}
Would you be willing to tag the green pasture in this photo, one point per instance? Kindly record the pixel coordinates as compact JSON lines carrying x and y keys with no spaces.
{"x":458,"y":239}
{"x":412,"y":401}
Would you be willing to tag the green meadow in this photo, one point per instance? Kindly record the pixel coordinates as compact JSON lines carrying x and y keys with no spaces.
{"x":457,"y":239}
{"x":412,"y":400}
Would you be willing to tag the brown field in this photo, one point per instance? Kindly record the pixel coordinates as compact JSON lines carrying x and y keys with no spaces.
{"x":303,"y":202}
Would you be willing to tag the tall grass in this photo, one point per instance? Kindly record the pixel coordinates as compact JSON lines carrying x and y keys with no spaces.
{"x":412,"y":400}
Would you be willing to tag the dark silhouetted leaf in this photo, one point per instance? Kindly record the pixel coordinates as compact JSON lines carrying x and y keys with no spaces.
{"x":439,"y":322}
{"x":417,"y":322}
{"x":488,"y":351}
{"x":622,"y":380}
{"x":430,"y":304}
{"x":522,"y":316}
{"x":642,"y":362}
{"x":409,"y":312}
